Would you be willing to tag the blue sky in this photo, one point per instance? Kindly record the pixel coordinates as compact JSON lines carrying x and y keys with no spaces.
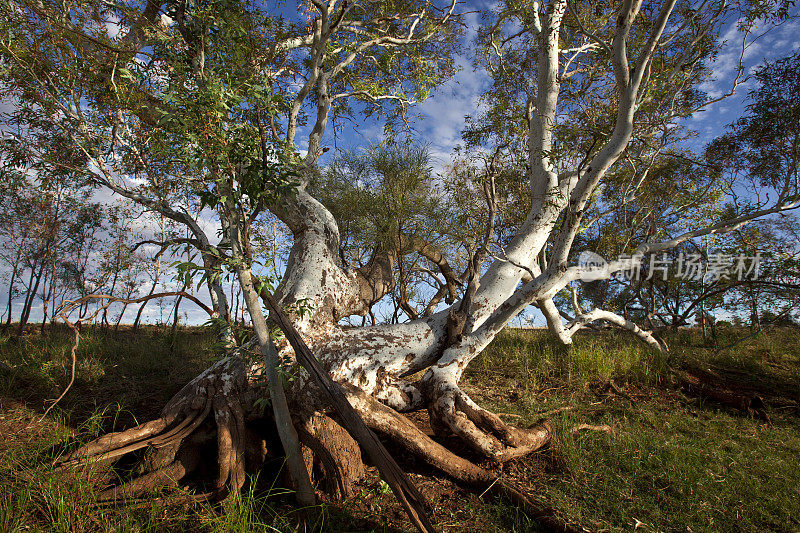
{"x":438,"y":121}
{"x":779,"y":42}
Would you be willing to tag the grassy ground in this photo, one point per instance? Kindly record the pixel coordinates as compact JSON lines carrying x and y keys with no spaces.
{"x":672,"y":461}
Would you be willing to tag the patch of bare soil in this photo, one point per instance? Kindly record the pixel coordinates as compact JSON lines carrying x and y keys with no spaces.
{"x":452,"y":508}
{"x":19,"y":425}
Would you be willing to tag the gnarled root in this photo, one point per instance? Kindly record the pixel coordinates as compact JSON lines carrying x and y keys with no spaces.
{"x":452,"y":409}
{"x":331,"y":455}
{"x":400,"y":429}
{"x":169,"y":447}
{"x":211,"y":413}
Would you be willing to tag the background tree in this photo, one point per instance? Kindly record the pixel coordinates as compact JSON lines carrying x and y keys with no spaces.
{"x":735,"y":173}
{"x":395,"y":226}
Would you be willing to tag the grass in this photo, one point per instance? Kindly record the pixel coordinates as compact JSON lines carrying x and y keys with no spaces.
{"x":134,"y":371}
{"x":122,"y":379}
{"x":673,"y":462}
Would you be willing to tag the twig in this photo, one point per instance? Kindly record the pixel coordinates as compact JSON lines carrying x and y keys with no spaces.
{"x":70,"y":306}
{"x":556,"y":411}
{"x":73,"y":356}
{"x":613,"y":386}
{"x":589,"y":427}
{"x":488,"y":488}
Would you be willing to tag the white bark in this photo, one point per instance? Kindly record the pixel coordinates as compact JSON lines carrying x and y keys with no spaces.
{"x":607,"y":316}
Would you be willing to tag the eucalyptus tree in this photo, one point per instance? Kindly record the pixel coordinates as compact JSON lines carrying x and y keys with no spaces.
{"x":777,"y":285}
{"x":211,"y":100}
{"x":155,"y":264}
{"x":43,"y":238}
{"x":737,"y":171}
{"x":13,"y":234}
{"x":761,"y":150}
{"x":47,"y":230}
{"x":117,"y":259}
{"x":396,"y":226}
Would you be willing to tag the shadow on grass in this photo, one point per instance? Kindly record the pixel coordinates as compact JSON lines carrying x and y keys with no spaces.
{"x":122,"y":379}
{"x":766,"y":365}
{"x":669,"y":465}
{"x":135,"y":372}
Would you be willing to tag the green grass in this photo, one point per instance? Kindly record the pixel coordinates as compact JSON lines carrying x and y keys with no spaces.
{"x":669,"y":471}
{"x":138,"y":371}
{"x":122,"y":380}
{"x":673,"y":462}
{"x":531,"y":359}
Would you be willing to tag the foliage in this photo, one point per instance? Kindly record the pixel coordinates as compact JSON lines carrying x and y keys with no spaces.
{"x":742,"y":171}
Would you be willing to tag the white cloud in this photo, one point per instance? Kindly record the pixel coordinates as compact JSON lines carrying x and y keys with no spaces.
{"x":113,"y":26}
{"x":442,"y":117}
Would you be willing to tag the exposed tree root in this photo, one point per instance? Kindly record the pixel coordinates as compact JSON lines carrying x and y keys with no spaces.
{"x":211,"y":413}
{"x":451,"y":408}
{"x":331,"y":454}
{"x":716,"y":388}
{"x":170,"y":443}
{"x":589,"y":427}
{"x":401,"y":430}
{"x":163,"y":477}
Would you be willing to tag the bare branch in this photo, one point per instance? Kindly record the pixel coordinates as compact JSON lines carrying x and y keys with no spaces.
{"x":599,"y":314}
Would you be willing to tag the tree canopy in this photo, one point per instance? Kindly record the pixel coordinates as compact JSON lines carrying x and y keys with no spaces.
{"x":214,"y":115}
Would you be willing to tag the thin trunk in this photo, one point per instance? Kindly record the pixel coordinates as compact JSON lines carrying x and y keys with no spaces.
{"x":53,"y":306}
{"x":128,"y":296}
{"x":47,"y":293}
{"x":104,"y":319}
{"x":11,"y":290}
{"x":236,"y":308}
{"x":236,"y":229}
{"x":26,"y":312}
{"x":26,"y":301}
{"x":121,"y":314}
{"x":81,"y":313}
{"x":280,"y":407}
{"x":175,"y":317}
{"x":755,"y":321}
{"x":141,"y":308}
{"x":703,"y":318}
